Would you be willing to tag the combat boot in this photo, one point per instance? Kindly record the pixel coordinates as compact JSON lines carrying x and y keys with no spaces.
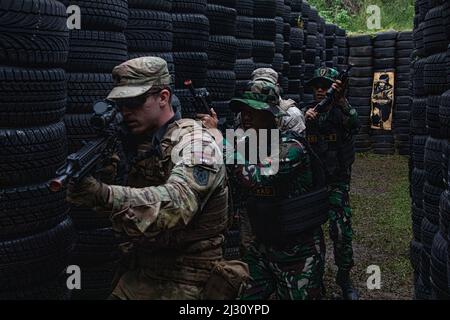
{"x":344,"y":281}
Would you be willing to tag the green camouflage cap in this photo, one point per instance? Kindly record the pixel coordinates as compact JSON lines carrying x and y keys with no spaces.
{"x":265,"y":74}
{"x":328,"y":75}
{"x":262,"y":96}
{"x":135,"y":77}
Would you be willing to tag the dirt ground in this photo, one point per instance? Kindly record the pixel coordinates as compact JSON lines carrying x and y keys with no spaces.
{"x":382,"y":227}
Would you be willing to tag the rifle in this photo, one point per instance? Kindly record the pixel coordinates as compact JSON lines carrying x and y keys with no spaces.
{"x":323,"y":105}
{"x":202,"y":103}
{"x":82,"y":163}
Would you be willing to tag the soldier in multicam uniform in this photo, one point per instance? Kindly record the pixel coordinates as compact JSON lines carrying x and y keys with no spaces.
{"x":331,"y":137}
{"x":174,"y":214}
{"x":286,"y":254}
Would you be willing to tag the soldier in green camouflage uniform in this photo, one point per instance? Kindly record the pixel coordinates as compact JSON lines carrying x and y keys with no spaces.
{"x":174,"y":213}
{"x":331,"y":136}
{"x":286,"y":266}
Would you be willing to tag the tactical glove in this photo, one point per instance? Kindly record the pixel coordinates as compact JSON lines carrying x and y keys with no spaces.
{"x":88,"y":193}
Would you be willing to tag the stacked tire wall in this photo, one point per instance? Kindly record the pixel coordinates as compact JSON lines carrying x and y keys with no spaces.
{"x":244,"y":41}
{"x":360,"y":85}
{"x":296,"y":44}
{"x":36,"y":234}
{"x":95,"y":50}
{"x":190,"y":47}
{"x":403,"y":92}
{"x":222,"y":55}
{"x":430,"y":149}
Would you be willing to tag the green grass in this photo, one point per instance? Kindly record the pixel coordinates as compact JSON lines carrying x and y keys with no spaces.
{"x":382,"y":219}
{"x":395,"y":14}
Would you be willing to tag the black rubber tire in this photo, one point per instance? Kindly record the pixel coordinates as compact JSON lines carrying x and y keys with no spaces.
{"x":297,"y":39}
{"x":245,"y":48}
{"x":360,"y":82}
{"x":417,"y":77}
{"x":222,"y":20}
{"x":191,"y":65}
{"x":417,"y":183}
{"x":263,"y":51}
{"x":102,"y":14}
{"x":311,"y":42}
{"x":37,"y":258}
{"x":279,"y":43}
{"x":362,"y":92}
{"x":221,"y":84}
{"x":245,"y":7}
{"x":296,"y":57}
{"x":434,"y":36}
{"x":244,"y":69}
{"x":384,"y":44}
{"x":360,"y":61}
{"x":385,"y":36}
{"x":96,"y":51}
{"x":33,"y":33}
{"x":161,"y":5}
{"x":444,"y":115}
{"x":189,"y":6}
{"x":190,"y":32}
{"x":433,"y":160}
{"x":359,"y":41}
{"x":31,"y":154}
{"x":418,"y":149}
{"x":30,"y":209}
{"x":31,"y":96}
{"x":366,"y":51}
{"x":244,"y":27}
{"x":435,"y":74}
{"x":95,"y":247}
{"x":384,"y":64}
{"x":222,"y":52}
{"x":380,"y":53}
{"x":265,"y":8}
{"x":84,"y":89}
{"x":431,"y":200}
{"x":432,"y":116}
{"x":364,"y":72}
{"x":438,"y":268}
{"x":415,"y":254}
{"x":264,"y":29}
{"x":149,"y":31}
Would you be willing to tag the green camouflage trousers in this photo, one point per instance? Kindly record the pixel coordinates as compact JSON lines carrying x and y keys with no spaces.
{"x":340,"y":229}
{"x":292,"y":273}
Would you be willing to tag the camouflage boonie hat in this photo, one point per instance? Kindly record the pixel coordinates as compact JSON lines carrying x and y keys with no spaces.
{"x":135,"y":77}
{"x":263,"y":95}
{"x":265,"y":74}
{"x":325,"y":74}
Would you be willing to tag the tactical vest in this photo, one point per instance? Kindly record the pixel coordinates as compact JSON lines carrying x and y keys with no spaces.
{"x":202,"y":237}
{"x":333,"y":145}
{"x":280,"y":215}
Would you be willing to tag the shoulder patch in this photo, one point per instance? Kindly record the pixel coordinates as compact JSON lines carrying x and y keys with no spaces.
{"x":201,"y":176}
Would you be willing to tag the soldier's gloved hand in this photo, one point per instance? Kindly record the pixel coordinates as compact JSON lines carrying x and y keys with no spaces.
{"x":108,"y":172}
{"x":88,"y":193}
